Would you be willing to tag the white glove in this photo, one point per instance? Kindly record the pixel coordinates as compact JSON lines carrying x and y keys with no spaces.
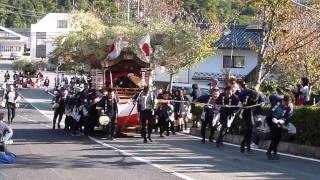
{"x":280,"y":121}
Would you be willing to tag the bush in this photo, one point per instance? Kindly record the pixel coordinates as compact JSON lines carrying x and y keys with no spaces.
{"x":30,"y":65}
{"x":305,"y":118}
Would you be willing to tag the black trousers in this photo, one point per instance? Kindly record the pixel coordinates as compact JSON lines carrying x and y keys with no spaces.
{"x":224,"y":127}
{"x":248,"y":128}
{"x":207,"y":123}
{"x":68,"y":123}
{"x":57,"y":112}
{"x":147,"y":123}
{"x":74,"y":125}
{"x":89,"y":124}
{"x":275,"y":132}
{"x":194,"y":117}
{"x":11,"y":111}
{"x":111,"y":127}
{"x":163,"y":125}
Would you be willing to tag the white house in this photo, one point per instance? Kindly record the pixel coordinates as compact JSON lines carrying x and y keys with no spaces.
{"x":45,"y":31}
{"x":11,"y":44}
{"x":233,"y":53}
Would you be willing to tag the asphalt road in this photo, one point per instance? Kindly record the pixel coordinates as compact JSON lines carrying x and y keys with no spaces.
{"x":47,"y":154}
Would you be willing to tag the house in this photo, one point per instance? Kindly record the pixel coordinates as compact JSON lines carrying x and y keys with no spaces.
{"x":44,"y":32}
{"x":12,"y":44}
{"x":234,"y":53}
{"x":24,"y":32}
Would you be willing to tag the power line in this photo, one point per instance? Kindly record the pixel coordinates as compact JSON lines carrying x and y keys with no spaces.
{"x":19,"y":13}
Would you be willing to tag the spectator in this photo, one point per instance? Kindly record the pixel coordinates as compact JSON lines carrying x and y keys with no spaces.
{"x":12,"y":97}
{"x":305,"y":89}
{"x":6,"y":157}
{"x":46,"y":84}
{"x":297,"y":95}
{"x":15,"y":76}
{"x":6,"y":76}
{"x":232,"y":82}
{"x":213,"y":85}
{"x":195,"y":94}
{"x":5,"y":130}
{"x":179,"y":110}
{"x":164,"y":114}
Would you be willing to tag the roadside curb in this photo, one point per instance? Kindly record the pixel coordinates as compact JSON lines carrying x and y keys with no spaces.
{"x":287,"y":149}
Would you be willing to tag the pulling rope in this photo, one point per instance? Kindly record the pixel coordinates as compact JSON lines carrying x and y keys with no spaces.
{"x":211,"y":105}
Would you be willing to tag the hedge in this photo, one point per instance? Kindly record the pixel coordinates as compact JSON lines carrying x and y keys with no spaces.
{"x":305,"y":118}
{"x":30,"y":65}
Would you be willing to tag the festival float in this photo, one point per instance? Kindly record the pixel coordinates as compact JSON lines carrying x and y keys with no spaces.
{"x":126,"y":74}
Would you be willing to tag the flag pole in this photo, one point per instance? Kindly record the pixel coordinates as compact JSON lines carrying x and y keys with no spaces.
{"x":110,"y":76}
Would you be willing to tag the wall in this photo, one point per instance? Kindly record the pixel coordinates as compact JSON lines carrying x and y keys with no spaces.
{"x":48,"y":24}
{"x":213,"y":64}
{"x":163,"y":76}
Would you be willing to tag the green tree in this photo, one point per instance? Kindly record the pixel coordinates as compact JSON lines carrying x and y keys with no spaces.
{"x":181,"y":46}
{"x":18,"y":21}
{"x":224,"y":10}
{"x":284,"y":32}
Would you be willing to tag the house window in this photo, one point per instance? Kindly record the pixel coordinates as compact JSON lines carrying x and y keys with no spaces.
{"x":41,"y":51}
{"x":234,"y":62}
{"x":4,"y":48}
{"x":62,"y":24}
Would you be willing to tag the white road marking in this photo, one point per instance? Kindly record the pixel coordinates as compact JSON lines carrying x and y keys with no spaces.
{"x":125,"y":153}
{"x":41,"y":111}
{"x":195,"y":137}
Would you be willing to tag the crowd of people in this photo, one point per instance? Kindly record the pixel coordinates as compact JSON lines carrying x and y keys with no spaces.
{"x":85,"y":108}
{"x":25,"y":80}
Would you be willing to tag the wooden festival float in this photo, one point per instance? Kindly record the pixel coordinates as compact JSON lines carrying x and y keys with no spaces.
{"x":126,"y":75}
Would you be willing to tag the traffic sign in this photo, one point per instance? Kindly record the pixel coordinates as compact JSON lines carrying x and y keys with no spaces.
{"x":60,"y":60}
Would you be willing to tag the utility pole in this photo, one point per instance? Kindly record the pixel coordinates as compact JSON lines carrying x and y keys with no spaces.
{"x":138,"y":9}
{"x":128,"y":10}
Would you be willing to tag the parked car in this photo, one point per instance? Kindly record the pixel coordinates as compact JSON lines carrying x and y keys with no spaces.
{"x":13,"y":56}
{"x":188,"y":87}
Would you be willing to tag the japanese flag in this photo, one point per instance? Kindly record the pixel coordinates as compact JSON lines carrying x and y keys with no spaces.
{"x":145,"y":46}
{"x":115,"y":48}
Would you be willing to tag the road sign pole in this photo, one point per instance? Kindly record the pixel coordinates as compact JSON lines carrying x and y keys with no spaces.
{"x":60,"y":61}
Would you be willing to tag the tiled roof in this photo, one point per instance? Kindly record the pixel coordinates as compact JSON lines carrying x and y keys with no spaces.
{"x":22,"y":31}
{"x":238,"y":38}
{"x":212,"y":76}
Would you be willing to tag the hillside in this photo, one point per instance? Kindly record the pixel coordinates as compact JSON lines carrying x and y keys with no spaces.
{"x":22,"y":13}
